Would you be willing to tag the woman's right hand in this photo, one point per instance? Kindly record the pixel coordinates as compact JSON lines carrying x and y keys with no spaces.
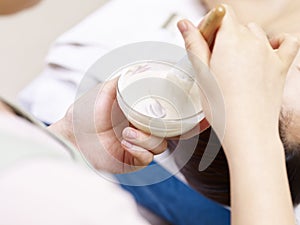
{"x":242,"y":82}
{"x":246,"y":78}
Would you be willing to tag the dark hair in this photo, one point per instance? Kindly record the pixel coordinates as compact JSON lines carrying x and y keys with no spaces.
{"x":214,"y":182}
{"x":292,"y":155}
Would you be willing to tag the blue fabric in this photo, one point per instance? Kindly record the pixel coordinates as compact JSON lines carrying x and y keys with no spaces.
{"x":173,"y":200}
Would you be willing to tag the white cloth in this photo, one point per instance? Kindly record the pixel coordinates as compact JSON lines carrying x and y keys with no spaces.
{"x":41,"y":184}
{"x":46,"y":191}
{"x":117,"y":23}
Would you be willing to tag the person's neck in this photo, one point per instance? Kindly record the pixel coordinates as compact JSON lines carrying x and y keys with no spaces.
{"x":287,"y":21}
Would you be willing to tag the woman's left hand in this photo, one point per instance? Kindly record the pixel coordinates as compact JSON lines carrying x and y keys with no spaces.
{"x":98,"y":128}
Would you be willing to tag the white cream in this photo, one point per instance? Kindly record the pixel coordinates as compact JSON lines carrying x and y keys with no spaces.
{"x":161,"y":108}
{"x":150,"y":107}
{"x":165,"y":94}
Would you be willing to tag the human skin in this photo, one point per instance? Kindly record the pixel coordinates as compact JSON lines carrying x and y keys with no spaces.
{"x":217,"y":175}
{"x":107,"y":141}
{"x":252,"y":100}
{"x":13,"y":6}
{"x":276,"y":18}
{"x":272,"y":15}
{"x":118,"y":148}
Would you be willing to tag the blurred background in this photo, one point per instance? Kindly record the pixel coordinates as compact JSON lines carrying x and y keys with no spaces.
{"x":26,"y":37}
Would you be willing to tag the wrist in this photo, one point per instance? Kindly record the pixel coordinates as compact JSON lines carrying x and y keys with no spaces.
{"x":254,"y":150}
{"x":243,"y":132}
{"x":64,"y":128}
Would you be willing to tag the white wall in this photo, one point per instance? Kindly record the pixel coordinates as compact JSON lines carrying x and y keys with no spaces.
{"x":26,"y":37}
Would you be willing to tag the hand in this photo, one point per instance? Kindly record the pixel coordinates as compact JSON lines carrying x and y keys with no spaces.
{"x":244,"y":77}
{"x":243,"y":80}
{"x":98,"y":128}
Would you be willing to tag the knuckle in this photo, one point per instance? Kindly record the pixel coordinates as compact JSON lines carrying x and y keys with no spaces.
{"x":295,"y":42}
{"x":291,"y":38}
{"x":189,"y":44}
{"x":253,"y":25}
{"x":281,"y":37}
{"x":163,"y":145}
{"x":148,"y":160}
{"x":160,"y":147}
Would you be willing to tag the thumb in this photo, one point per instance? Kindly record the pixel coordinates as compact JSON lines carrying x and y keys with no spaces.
{"x":195,"y":43}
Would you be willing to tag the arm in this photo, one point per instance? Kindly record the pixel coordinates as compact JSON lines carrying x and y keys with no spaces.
{"x":259,"y":186}
{"x":243,"y":78}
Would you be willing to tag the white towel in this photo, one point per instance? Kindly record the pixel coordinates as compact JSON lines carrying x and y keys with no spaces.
{"x":117,"y":23}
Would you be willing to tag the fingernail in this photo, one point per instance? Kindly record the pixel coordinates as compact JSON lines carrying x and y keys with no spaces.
{"x":183,"y":26}
{"x":126,"y":144}
{"x":131,"y":134}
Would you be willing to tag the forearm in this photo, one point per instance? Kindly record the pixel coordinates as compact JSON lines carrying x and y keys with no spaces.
{"x":259,"y":186}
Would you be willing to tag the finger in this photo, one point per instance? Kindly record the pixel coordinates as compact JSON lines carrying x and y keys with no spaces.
{"x":195,"y":43}
{"x":110,"y":86}
{"x":288,"y":47}
{"x":141,"y":156}
{"x":230,"y":19}
{"x":211,"y":23}
{"x":229,"y":30}
{"x":258,"y":32}
{"x":154,"y":144}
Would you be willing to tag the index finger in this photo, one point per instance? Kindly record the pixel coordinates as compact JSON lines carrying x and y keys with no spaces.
{"x":211,"y":23}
